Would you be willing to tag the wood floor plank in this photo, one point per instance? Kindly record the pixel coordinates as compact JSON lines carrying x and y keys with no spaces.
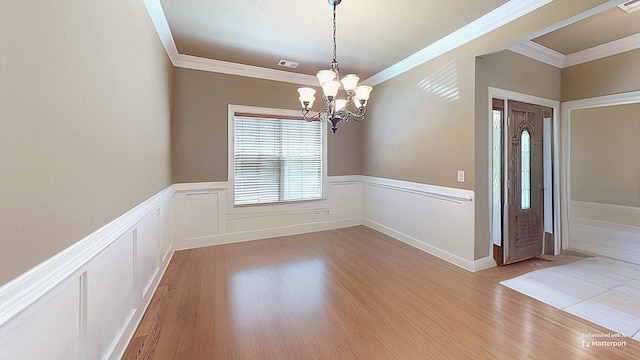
{"x":351,"y":293}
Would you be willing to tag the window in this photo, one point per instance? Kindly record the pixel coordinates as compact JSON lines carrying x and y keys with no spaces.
{"x":276,"y":158}
{"x":525,"y":154}
{"x":497,"y":158}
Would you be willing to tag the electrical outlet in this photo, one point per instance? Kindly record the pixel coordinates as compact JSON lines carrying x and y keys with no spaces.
{"x":460,"y":176}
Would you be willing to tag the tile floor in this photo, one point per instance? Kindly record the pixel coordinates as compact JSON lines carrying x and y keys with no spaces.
{"x":603,"y":291}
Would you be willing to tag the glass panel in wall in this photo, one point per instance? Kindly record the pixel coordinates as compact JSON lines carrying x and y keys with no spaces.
{"x":525,"y":155}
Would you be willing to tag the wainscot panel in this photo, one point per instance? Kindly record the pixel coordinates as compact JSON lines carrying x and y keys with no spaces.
{"x":437,"y":220}
{"x":86,"y":301}
{"x":203,"y":216}
{"x":48,"y":328}
{"x":606,"y":230}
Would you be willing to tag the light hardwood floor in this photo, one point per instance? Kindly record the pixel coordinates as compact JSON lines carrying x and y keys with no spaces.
{"x":352,"y":293}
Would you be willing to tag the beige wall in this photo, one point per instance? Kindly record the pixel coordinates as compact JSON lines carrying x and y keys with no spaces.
{"x":421,"y":124}
{"x":611,"y":75}
{"x":605,"y":155}
{"x":199,"y":123}
{"x":418,"y":134}
{"x":84,"y":113}
{"x":85,"y":105}
{"x":415,"y":134}
{"x":508,"y":71}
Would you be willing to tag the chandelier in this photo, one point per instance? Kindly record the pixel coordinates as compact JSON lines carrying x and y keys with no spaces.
{"x":353,"y":107}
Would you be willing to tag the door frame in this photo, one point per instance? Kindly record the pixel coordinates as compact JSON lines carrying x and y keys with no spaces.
{"x":631,"y":97}
{"x":503,"y":232}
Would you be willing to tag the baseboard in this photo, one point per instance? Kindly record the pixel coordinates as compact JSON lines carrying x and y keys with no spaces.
{"x":428,"y":248}
{"x":484,"y":263}
{"x":616,"y":241}
{"x":235,"y":237}
{"x":606,"y":230}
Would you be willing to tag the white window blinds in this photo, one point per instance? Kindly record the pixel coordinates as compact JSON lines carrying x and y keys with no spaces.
{"x":276,"y":159}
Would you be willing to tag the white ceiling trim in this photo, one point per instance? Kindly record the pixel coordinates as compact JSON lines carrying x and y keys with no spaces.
{"x":489,"y":22}
{"x":154,"y":8}
{"x":502,"y":15}
{"x":554,"y":58}
{"x":225,"y":67}
{"x":541,"y":53}
{"x":613,"y":48}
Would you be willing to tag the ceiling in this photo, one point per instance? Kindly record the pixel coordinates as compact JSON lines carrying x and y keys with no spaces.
{"x":372,"y":36}
{"x":602,"y":28}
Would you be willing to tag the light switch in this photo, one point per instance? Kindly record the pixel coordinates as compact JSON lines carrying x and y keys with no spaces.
{"x":460,"y":176}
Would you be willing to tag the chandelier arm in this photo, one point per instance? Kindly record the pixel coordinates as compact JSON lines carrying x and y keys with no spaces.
{"x":350,"y":100}
{"x":325,"y":115}
{"x":357,"y":116}
{"x":327,"y":102}
{"x":360,"y":116}
{"x":316,"y":116}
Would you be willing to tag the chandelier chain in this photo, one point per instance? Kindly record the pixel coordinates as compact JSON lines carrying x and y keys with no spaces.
{"x":334,"y":32}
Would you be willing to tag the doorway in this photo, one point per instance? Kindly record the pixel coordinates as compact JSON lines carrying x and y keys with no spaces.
{"x":523,"y":179}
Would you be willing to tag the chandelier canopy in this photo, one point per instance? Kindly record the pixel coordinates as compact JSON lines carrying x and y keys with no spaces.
{"x":337,"y":109}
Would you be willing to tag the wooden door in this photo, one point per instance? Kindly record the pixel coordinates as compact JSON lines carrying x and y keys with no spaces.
{"x":525,"y":182}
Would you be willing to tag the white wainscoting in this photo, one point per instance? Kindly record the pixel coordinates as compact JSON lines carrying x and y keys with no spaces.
{"x":437,"y":220}
{"x":203,"y":216}
{"x":86,"y":301}
{"x":608,"y":230}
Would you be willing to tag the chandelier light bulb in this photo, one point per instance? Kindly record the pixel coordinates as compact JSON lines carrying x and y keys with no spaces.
{"x":340,"y":104}
{"x":306,"y":96}
{"x":306,"y":92}
{"x":331,"y":88}
{"x":325,"y":76}
{"x":350,"y":82}
{"x":307,"y":103}
{"x":362,"y":92}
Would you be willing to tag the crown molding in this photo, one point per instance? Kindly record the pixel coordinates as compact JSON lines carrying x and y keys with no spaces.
{"x":489,"y":22}
{"x":154,"y":8}
{"x":609,"y":49}
{"x":502,"y":15}
{"x":538,"y":52}
{"x":156,"y":13}
{"x":543,"y":54}
{"x":225,"y":67}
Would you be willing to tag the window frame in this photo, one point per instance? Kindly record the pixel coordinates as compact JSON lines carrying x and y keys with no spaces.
{"x":268,"y":207}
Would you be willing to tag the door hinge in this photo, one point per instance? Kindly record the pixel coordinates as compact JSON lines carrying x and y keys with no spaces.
{"x":508,"y":121}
